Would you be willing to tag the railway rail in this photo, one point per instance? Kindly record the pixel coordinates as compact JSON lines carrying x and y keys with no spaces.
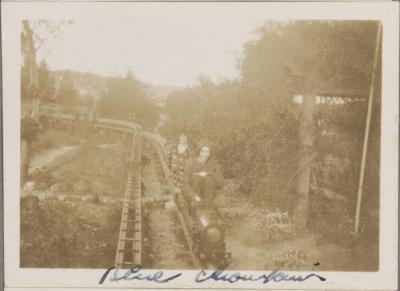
{"x":129,"y":248}
{"x":155,"y":141}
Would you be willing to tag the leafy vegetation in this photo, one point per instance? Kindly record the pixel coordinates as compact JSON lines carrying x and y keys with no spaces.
{"x":254,"y":122}
{"x":67,"y":235}
{"x":126,"y":99}
{"x":67,"y":222}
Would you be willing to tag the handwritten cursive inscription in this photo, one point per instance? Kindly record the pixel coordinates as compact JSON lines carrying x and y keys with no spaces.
{"x":274,"y":276}
{"x":219,"y":274}
{"x":135,"y":273}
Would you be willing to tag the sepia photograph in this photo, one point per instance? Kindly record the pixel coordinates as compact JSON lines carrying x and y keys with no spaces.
{"x":224,"y":168}
{"x":206,"y":140}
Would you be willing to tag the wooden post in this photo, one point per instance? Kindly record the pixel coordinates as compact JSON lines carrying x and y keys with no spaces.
{"x":366,"y":133}
{"x":300,"y":215}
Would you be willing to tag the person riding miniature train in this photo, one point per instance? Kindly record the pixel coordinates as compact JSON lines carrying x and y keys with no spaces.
{"x":178,"y":156}
{"x":203,"y":176}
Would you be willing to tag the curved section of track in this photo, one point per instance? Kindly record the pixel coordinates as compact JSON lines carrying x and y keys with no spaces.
{"x":130,"y":241}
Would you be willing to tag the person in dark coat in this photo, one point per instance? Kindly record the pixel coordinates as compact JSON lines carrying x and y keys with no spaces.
{"x":203,"y":176}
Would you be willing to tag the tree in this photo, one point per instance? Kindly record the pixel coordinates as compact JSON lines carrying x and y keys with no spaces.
{"x":126,"y":97}
{"x":298,"y":56}
{"x":254,"y":121}
{"x":29,"y":87}
{"x":314,"y":58}
{"x":46,"y":83}
{"x":67,"y":94}
{"x":36,"y":83}
{"x":35,"y":36}
{"x":29,"y":75}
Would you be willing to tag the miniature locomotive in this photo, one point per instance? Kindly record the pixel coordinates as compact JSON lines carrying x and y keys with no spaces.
{"x":206,"y":230}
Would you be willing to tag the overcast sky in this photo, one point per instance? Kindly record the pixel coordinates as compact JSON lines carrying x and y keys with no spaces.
{"x":163,"y":45}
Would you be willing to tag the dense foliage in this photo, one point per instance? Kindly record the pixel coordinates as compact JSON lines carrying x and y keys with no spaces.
{"x":126,"y":99}
{"x":254,"y":122}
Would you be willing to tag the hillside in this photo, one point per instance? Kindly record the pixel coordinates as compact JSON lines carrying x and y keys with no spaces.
{"x":90,"y":84}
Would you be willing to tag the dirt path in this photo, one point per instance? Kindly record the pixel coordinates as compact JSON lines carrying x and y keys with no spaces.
{"x":151,"y":180}
{"x":168,"y":248}
{"x":44,"y":158}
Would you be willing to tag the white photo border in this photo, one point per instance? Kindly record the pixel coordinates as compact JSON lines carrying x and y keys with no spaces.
{"x":386,"y":12}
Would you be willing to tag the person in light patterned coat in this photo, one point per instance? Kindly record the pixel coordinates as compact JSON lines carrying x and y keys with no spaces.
{"x":179,"y":155}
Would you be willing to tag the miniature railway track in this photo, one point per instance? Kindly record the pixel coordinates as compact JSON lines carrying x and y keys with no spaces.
{"x":129,"y":248}
{"x":163,"y":162}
